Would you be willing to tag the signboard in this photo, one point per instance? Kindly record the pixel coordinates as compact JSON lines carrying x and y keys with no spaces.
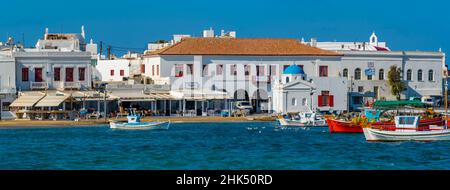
{"x":370,"y":71}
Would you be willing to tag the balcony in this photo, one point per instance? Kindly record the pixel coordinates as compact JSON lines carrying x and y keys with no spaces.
{"x":70,"y":85}
{"x":38,"y":85}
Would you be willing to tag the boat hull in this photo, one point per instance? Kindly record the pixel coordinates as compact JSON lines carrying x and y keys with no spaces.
{"x":140,"y":126}
{"x":376,"y":135}
{"x":337,"y":126}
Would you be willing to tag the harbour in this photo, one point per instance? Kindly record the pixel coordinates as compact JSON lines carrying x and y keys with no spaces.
{"x":247,"y":145}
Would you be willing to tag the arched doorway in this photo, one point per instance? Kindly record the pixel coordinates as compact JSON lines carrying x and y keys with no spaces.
{"x":260,"y":101}
{"x":241,"y":95}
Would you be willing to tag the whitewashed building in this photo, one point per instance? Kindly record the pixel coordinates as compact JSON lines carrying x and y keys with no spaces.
{"x":245,"y":69}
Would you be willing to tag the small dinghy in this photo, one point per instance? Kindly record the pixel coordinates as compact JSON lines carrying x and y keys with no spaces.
{"x":304,"y":119}
{"x":134,"y":122}
{"x":406,"y":129}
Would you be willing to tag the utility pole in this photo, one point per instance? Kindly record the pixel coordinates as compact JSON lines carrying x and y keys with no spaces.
{"x":109,"y":52}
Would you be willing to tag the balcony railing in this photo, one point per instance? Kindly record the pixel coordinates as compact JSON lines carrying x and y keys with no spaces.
{"x":72,"y":85}
{"x":38,"y":85}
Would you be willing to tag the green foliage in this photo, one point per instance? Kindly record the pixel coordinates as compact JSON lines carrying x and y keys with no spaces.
{"x":395,"y":81}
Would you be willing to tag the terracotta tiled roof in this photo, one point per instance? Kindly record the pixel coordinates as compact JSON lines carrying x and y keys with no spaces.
{"x":242,"y":46}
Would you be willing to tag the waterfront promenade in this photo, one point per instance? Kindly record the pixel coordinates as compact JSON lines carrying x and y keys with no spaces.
{"x":94,"y":122}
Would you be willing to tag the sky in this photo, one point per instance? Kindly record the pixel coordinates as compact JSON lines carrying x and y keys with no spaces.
{"x":404,"y":25}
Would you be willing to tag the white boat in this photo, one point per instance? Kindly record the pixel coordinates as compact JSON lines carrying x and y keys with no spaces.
{"x":304,"y":119}
{"x":134,"y":122}
{"x":407,"y":129}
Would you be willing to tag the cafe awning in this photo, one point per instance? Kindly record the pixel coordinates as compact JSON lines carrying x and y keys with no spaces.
{"x":52,"y":100}
{"x":28,"y":99}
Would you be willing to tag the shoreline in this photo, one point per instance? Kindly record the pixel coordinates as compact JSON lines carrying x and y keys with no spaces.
{"x":92,"y":123}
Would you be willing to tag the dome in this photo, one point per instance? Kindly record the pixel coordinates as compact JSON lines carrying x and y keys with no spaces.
{"x":293,"y":70}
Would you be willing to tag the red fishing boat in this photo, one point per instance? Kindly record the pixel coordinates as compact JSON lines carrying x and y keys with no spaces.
{"x":339,"y":126}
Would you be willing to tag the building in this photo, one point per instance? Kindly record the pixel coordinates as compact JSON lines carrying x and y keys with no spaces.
{"x":366,"y":66}
{"x":243,"y":68}
{"x":7,"y":79}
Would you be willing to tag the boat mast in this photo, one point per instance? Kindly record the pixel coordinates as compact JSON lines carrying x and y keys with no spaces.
{"x":446,"y":97}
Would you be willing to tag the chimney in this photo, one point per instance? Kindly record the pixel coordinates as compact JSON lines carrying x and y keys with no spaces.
{"x":314,"y":42}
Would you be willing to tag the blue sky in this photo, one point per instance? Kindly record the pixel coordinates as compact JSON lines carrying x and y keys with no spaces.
{"x":405,"y":25}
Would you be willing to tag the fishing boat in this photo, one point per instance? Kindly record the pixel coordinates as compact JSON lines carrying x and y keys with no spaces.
{"x":341,"y":126}
{"x":134,"y":122}
{"x":407,"y":128}
{"x":354,"y":124}
{"x":303,"y":119}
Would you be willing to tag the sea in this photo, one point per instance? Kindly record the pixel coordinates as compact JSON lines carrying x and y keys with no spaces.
{"x":210,"y":146}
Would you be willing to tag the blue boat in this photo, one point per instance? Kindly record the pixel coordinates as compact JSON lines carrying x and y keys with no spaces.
{"x":134,"y":122}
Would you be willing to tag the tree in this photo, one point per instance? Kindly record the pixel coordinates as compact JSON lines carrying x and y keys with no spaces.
{"x":395,"y":81}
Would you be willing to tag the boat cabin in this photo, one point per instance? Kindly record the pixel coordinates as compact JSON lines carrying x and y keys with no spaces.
{"x":407,"y":123}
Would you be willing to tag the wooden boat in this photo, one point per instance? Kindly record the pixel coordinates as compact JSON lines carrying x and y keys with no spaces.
{"x":407,"y":128}
{"x":134,"y":123}
{"x":339,"y":126}
{"x":304,"y":119}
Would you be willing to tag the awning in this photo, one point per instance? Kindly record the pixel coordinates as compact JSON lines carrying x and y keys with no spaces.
{"x":127,"y":95}
{"x":52,"y":100}
{"x":199,"y":95}
{"x":391,"y":104}
{"x":28,"y":99}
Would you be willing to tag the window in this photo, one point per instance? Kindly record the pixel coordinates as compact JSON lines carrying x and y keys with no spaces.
{"x":260,"y":70}
{"x":430,"y":75}
{"x":219,"y":69}
{"x":325,"y":99}
{"x":82,"y":73}
{"x":190,"y":69}
{"x":273,"y":70}
{"x":360,"y":88}
{"x":205,"y":70}
{"x":304,"y":102}
{"x":233,"y":70}
{"x":247,"y":70}
{"x":111,"y":72}
{"x":143,"y":68}
{"x":38,"y":75}
{"x":25,"y":74}
{"x":294,"y":101}
{"x":381,"y":74}
{"x":178,"y":70}
{"x":369,"y":77}
{"x":345,"y":73}
{"x":157,"y":70}
{"x":153,"y":70}
{"x":419,"y":75}
{"x":409,"y":75}
{"x":287,"y":79}
{"x":69,"y":74}
{"x":57,"y":74}
{"x":358,"y":74}
{"x":122,"y":72}
{"x":323,"y":71}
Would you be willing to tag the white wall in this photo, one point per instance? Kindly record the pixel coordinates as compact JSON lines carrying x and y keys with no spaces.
{"x":104,"y":68}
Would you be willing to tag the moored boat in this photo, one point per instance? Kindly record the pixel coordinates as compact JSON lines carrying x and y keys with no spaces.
{"x":407,"y":128}
{"x":134,"y":122}
{"x":304,"y":119}
{"x":339,"y":126}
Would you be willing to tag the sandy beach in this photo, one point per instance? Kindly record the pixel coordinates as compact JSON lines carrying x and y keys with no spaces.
{"x":87,"y":123}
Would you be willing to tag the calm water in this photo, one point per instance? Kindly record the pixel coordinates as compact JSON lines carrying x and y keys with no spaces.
{"x":210,"y":146}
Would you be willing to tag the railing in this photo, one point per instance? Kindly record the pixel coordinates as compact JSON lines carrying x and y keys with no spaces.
{"x":38,"y":85}
{"x":72,"y":85}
